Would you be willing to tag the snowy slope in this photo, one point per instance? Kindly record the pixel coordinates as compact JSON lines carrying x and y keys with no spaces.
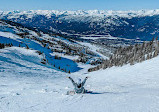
{"x":9,"y":34}
{"x":27,"y":86}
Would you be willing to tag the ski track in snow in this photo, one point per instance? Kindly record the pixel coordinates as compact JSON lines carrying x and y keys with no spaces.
{"x":28,"y":86}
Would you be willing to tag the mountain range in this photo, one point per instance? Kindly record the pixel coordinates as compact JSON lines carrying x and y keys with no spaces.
{"x":142,"y":24}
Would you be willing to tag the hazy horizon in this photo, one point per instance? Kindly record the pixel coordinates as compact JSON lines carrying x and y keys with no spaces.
{"x":77,"y":10}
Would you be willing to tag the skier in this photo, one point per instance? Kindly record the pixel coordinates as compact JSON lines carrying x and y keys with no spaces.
{"x":79,"y":86}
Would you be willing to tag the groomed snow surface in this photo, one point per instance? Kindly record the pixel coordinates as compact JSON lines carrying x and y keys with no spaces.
{"x":28,"y":86}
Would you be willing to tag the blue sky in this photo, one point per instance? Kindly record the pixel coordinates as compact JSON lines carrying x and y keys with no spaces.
{"x":78,"y":4}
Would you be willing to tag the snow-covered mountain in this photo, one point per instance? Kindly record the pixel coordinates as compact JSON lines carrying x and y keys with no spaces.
{"x":33,"y":71}
{"x":58,"y":52}
{"x":143,"y":24}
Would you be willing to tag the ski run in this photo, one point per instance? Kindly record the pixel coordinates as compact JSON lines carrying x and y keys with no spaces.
{"x":26,"y":85}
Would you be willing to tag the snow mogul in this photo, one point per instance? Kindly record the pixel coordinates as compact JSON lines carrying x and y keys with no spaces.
{"x":78,"y":86}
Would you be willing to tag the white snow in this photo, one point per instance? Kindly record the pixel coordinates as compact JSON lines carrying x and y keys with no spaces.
{"x":94,"y":37}
{"x":93,"y":48}
{"x":9,"y":35}
{"x":28,"y":86}
{"x":80,"y":13}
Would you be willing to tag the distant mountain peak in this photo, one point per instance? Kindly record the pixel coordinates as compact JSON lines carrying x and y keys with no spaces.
{"x":129,"y":13}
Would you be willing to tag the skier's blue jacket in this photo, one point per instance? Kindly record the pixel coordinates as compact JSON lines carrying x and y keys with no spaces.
{"x":79,"y":88}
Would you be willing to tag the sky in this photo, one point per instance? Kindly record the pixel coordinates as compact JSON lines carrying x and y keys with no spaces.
{"x":6,"y":5}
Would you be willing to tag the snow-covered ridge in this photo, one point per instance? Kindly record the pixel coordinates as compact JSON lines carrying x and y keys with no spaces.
{"x":102,"y":13}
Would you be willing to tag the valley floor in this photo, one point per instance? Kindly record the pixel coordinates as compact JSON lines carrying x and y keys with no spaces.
{"x":28,"y":86}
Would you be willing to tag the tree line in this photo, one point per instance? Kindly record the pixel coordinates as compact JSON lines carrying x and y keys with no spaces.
{"x":3,"y":45}
{"x":131,"y":55}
